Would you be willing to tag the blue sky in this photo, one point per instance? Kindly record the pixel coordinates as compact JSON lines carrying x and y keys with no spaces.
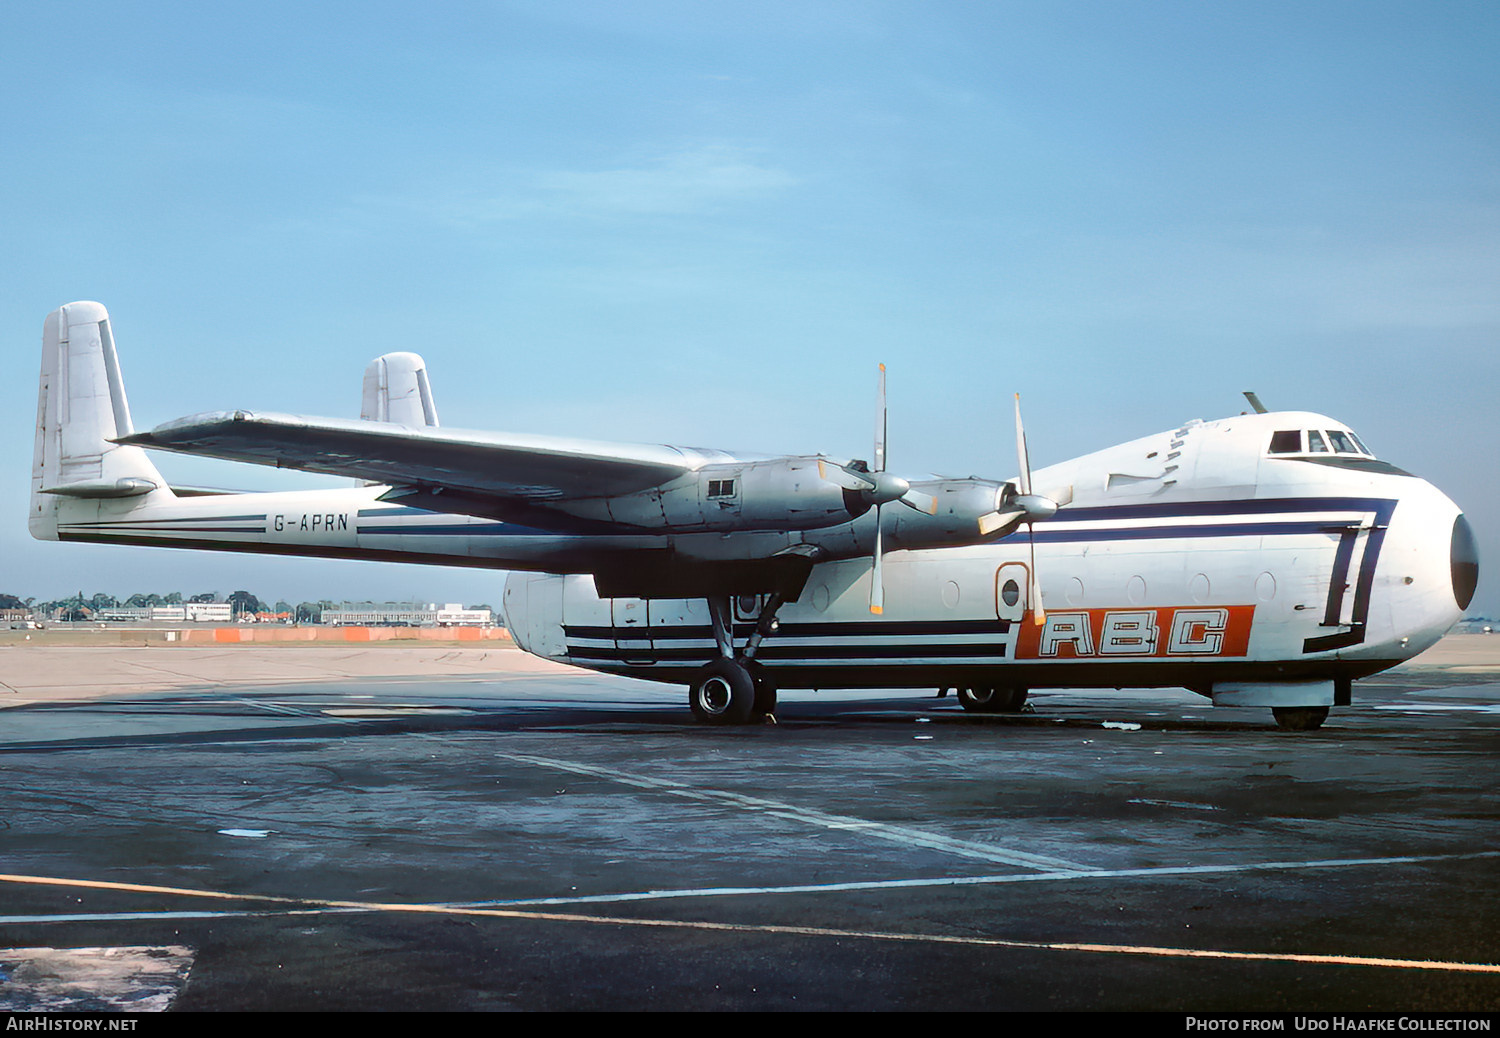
{"x":705,"y":223}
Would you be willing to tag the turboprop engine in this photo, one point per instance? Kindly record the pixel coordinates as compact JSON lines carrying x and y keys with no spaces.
{"x":775,"y":494}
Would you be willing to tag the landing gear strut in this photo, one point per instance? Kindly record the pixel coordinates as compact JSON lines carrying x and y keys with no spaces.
{"x":735,"y":687}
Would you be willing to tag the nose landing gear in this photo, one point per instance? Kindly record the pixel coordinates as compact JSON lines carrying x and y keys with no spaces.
{"x":1299,"y":718}
{"x":992,"y":700}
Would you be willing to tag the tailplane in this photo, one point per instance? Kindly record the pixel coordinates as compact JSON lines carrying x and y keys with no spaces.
{"x":396,"y":390}
{"x":81,"y":407}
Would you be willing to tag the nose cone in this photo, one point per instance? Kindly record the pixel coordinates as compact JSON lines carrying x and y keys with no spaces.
{"x":1463,"y":562}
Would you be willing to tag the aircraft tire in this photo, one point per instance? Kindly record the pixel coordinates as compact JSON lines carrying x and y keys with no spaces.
{"x":765,"y":688}
{"x":1012,"y":700}
{"x":991,"y":700}
{"x":1299,"y":718}
{"x":722,"y":693}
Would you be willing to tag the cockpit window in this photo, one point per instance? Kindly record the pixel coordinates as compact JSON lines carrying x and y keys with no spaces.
{"x":1287,"y":441}
{"x":1342,"y":443}
{"x":1308,"y":442}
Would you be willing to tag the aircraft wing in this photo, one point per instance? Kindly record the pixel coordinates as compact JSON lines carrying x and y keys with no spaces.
{"x":504,"y":467}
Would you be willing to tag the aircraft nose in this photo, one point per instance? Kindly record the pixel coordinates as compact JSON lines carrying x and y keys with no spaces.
{"x":1463,"y":560}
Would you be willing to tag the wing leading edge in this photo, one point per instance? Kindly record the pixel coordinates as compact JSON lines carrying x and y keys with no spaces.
{"x":515,"y":468}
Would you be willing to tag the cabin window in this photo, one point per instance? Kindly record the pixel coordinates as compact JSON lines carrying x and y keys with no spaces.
{"x":1010,"y":593}
{"x":721,"y":488}
{"x":1315,"y":442}
{"x":1360,"y":444}
{"x":1288,"y":441}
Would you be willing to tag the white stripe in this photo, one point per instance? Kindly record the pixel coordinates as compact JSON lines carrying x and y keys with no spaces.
{"x":808,"y":816}
{"x":968,"y":881}
{"x":698,"y":892}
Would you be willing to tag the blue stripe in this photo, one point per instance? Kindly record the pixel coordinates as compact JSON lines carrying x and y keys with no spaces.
{"x":491,"y":530}
{"x":1241,"y":506}
{"x":1143,"y":533}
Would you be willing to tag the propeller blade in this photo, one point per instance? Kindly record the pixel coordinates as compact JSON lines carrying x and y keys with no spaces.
{"x":880,"y":423}
{"x":1023,"y":457}
{"x":877,"y":588}
{"x":1034,"y":595}
{"x":1033,"y":507}
{"x":919,"y":501}
{"x":994,"y":522}
{"x":842,"y":477}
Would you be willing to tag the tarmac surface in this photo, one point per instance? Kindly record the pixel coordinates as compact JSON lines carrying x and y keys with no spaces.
{"x":468,"y":828}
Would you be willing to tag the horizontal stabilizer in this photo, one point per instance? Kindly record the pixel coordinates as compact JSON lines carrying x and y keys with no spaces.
{"x":81,"y":411}
{"x":127,"y":486}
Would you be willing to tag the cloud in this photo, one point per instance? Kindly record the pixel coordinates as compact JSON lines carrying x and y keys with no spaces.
{"x":683,"y":182}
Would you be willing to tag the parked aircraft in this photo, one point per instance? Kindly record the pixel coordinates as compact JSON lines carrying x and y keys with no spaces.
{"x":1267,"y":559}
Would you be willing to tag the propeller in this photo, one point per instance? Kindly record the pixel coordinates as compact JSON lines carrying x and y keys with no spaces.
{"x":1033,"y":507}
{"x":877,"y":487}
{"x":877,"y":586}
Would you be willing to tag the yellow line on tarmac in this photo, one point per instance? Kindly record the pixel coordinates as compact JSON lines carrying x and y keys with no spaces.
{"x":803,"y":931}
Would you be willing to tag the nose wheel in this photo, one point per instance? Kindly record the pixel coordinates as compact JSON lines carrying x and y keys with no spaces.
{"x":992,"y":700}
{"x":1299,"y":718}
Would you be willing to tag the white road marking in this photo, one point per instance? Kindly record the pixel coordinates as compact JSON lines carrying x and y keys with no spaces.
{"x":807,"y":816}
{"x":275,"y":708}
{"x":812,"y":931}
{"x":1184,"y":804}
{"x":963,"y":881}
{"x":1069,"y":875}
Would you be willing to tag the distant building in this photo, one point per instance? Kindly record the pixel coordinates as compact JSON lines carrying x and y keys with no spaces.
{"x":191,"y":612}
{"x":21,"y":617}
{"x":407,"y":614}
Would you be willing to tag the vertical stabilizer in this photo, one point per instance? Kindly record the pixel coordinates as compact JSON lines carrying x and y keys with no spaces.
{"x":396,"y":390}
{"x":81,"y":406}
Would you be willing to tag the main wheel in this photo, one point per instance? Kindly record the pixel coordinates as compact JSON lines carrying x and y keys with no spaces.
{"x":765,"y":687}
{"x":992,"y":700}
{"x":722,"y":693}
{"x":978,"y":700}
{"x":1011,"y":700}
{"x":1299,"y":718}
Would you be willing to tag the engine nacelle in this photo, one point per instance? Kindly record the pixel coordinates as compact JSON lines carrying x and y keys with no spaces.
{"x":774,"y":494}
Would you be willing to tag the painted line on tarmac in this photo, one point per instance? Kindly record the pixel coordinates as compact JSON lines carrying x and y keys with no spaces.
{"x":796,"y":931}
{"x":775,"y":808}
{"x":274,"y":708}
{"x":1058,"y":876}
{"x":696,"y":892}
{"x":807,"y":816}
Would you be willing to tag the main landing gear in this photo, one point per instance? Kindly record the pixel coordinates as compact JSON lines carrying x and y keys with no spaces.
{"x":735,"y":688}
{"x":992,"y":700}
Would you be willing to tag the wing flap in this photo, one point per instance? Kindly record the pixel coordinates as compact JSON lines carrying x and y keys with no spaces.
{"x":526,"y":468}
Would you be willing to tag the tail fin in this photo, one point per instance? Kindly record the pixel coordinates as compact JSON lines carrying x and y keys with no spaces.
{"x":80,"y":408}
{"x":396,"y":390}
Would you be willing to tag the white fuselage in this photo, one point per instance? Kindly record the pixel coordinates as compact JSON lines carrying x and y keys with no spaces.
{"x":1192,"y":558}
{"x":1195,"y":557}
